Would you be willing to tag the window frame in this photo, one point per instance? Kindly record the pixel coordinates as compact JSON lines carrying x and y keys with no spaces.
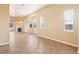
{"x":71,"y":21}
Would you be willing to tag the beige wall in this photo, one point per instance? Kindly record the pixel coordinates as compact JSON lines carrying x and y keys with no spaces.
{"x":54,"y":23}
{"x":78,"y":28}
{"x":4,"y":23}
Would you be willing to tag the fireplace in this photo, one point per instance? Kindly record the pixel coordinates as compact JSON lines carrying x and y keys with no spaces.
{"x":19,"y":29}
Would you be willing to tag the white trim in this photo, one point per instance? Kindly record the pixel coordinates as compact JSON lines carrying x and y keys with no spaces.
{"x":68,"y":30}
{"x":4,"y":43}
{"x":74,"y":45}
{"x":69,"y":23}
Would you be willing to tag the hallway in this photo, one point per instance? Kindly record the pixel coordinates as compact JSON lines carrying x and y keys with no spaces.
{"x":31,"y":43}
{"x":48,"y":21}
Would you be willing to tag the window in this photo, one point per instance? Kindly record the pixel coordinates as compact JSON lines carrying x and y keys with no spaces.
{"x":68,"y":20}
{"x":41,"y":22}
{"x":30,"y":25}
{"x":34,"y":24}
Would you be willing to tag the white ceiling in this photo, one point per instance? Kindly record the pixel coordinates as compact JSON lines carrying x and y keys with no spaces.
{"x":24,"y":9}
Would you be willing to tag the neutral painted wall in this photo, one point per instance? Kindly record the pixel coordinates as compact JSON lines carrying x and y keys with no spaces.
{"x":54,"y":23}
{"x":78,"y":28}
{"x":4,"y":23}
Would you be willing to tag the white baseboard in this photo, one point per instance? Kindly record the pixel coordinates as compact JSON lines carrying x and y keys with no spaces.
{"x":4,"y":43}
{"x":74,"y":45}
